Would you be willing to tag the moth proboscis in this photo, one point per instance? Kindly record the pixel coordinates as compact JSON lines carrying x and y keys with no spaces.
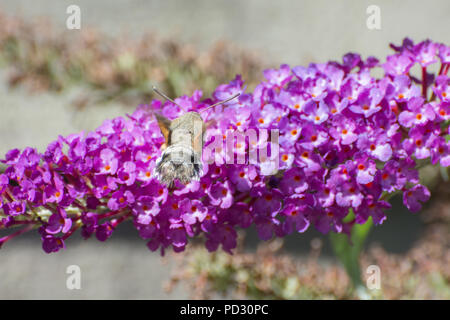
{"x":181,"y":158}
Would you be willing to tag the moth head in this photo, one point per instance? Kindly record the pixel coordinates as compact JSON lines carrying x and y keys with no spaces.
{"x":164,"y":123}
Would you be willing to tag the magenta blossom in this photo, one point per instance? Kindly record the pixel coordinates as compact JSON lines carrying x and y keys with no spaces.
{"x":346,"y":141}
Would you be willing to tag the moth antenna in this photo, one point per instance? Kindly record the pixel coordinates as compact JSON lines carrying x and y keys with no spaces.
{"x":166,"y":97}
{"x":220,"y":102}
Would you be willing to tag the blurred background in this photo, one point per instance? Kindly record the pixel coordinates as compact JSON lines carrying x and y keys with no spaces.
{"x":58,"y":81}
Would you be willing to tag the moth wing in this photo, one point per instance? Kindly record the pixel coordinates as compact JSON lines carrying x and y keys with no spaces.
{"x":164,"y":126}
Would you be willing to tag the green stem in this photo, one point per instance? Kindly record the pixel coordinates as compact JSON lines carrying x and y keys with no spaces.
{"x":348,"y":251}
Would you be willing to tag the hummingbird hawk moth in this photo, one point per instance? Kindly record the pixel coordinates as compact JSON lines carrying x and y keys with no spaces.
{"x":182,"y":156}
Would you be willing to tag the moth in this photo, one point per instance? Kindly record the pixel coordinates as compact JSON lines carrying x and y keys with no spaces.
{"x":182,"y":156}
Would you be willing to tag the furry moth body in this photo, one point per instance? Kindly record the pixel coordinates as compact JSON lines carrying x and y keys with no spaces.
{"x":182,"y":157}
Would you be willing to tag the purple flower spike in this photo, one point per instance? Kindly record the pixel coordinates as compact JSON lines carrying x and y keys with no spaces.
{"x":319,"y":141}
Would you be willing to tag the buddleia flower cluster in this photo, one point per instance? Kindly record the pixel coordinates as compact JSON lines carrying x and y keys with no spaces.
{"x":346,"y":141}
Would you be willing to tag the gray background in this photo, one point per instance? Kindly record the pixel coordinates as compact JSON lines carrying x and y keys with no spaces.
{"x":294,"y":32}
